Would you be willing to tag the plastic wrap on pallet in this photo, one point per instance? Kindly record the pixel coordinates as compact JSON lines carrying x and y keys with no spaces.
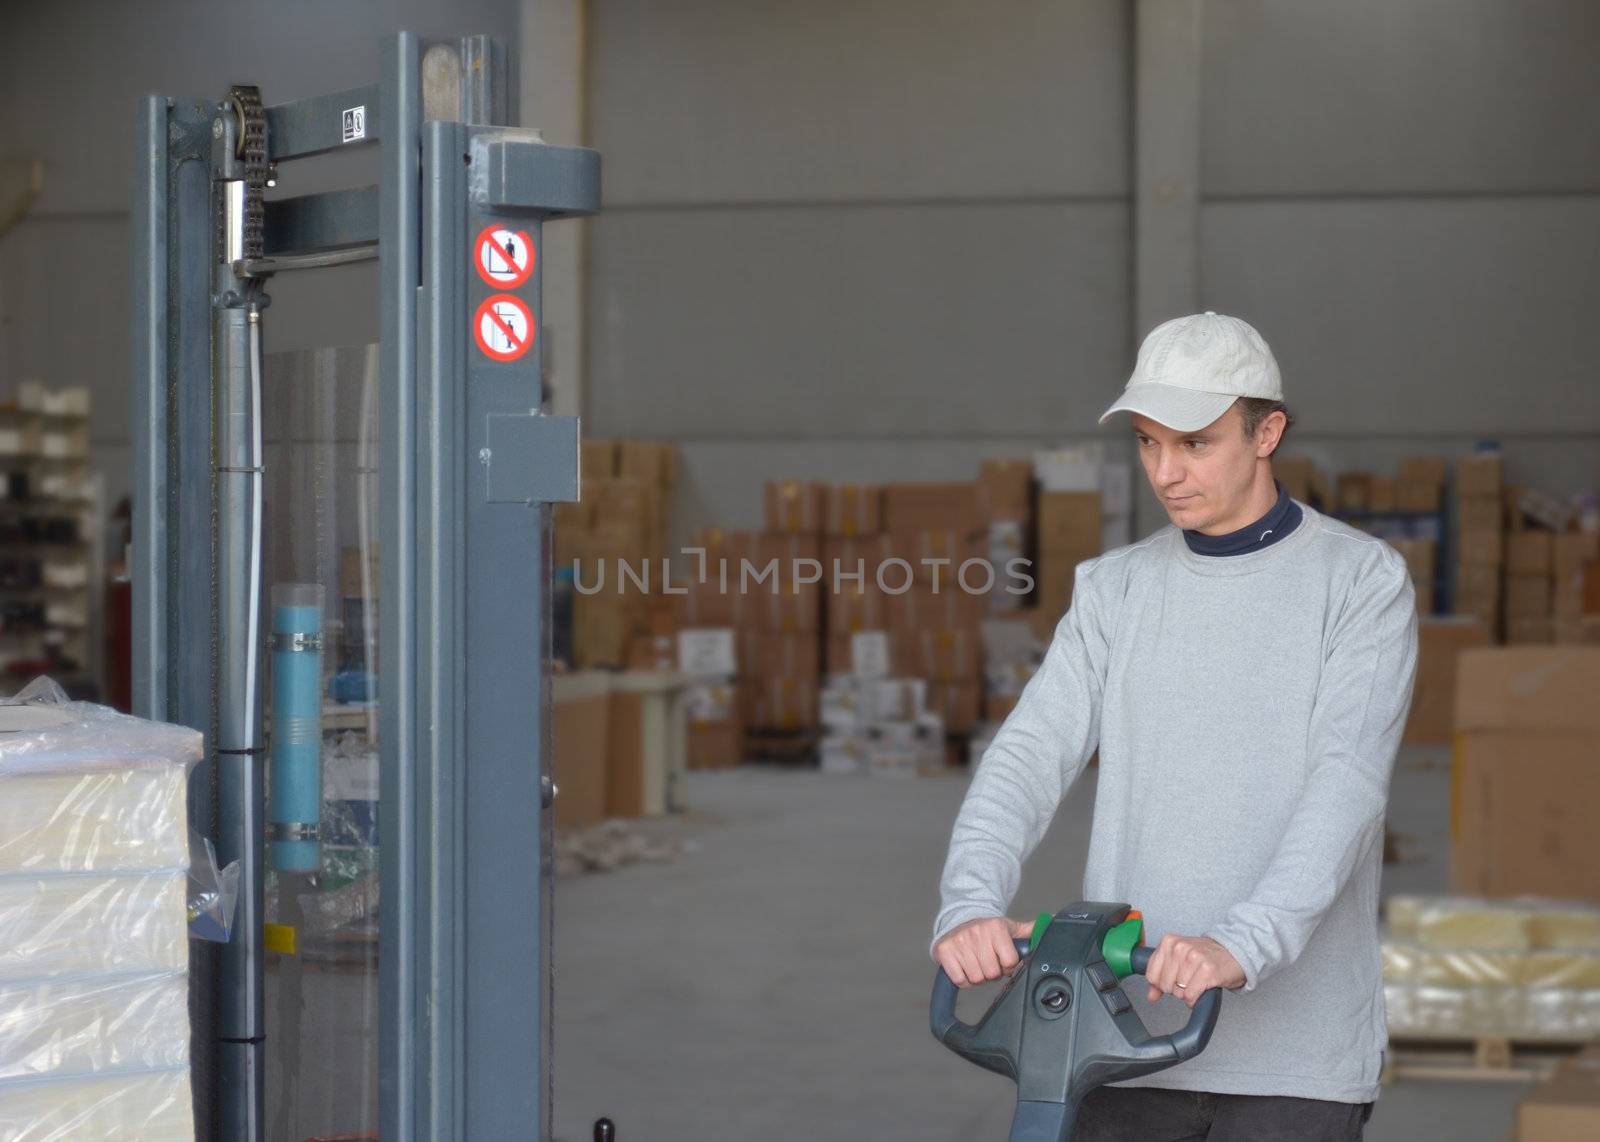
{"x":154,"y":1106}
{"x":94,"y":911}
{"x":94,"y":1023}
{"x":1463,"y":967}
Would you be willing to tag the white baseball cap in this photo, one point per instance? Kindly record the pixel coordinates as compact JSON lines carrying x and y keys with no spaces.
{"x":1190,"y":369}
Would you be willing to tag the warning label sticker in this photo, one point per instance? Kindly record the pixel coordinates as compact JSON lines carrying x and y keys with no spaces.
{"x":504,"y":257}
{"x":503,"y":327}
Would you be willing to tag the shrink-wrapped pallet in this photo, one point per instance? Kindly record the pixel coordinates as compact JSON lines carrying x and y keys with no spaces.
{"x":94,"y":1025}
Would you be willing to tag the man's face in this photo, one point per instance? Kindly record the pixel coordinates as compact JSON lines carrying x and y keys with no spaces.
{"x":1204,"y":479}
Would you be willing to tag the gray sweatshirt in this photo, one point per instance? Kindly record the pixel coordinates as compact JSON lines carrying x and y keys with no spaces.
{"x":1247,"y":710}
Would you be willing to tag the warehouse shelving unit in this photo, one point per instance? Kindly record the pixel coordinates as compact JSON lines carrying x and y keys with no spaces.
{"x":50,"y":536}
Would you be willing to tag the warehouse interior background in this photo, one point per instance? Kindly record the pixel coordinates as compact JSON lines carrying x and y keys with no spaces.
{"x":878,"y":243}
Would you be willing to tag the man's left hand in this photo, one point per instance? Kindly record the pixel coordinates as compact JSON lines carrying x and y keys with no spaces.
{"x":1186,"y":966}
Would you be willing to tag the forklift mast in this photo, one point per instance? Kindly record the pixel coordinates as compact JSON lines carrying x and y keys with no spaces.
{"x":468,"y":464}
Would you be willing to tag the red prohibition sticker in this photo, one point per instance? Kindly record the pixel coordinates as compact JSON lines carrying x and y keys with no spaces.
{"x":504,"y":257}
{"x":503,"y":327}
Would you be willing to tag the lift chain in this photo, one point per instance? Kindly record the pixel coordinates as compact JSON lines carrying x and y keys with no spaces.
{"x":253,"y":150}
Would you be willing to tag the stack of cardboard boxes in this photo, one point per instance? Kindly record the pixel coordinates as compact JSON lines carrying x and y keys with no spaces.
{"x":933,"y":623}
{"x":1005,"y":505}
{"x":1480,"y":540}
{"x":1544,"y":586}
{"x":879,"y":726}
{"x":617,"y":534}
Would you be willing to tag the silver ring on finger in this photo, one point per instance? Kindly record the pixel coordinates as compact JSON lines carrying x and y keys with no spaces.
{"x":1181,"y":986}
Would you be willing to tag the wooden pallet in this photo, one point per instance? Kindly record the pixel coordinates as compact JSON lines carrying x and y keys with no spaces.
{"x":784,"y":746}
{"x":1483,"y":1058}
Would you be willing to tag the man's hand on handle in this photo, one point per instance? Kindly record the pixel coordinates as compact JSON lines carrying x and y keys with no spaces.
{"x":981,"y":950}
{"x":1186,"y":966}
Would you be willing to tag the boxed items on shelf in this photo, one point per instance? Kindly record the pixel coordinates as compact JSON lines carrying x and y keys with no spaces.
{"x":1566,"y":1105}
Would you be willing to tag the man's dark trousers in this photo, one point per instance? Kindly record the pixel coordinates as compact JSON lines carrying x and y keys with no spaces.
{"x":1145,"y":1114}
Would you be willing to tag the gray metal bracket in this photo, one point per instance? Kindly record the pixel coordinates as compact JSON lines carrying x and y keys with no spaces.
{"x":517,"y":170}
{"x":531,"y":458}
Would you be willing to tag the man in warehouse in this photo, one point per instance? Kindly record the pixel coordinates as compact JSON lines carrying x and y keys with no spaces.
{"x":1245,"y":675}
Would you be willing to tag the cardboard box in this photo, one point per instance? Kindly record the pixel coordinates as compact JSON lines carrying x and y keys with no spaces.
{"x":1529,"y":632}
{"x":854,"y":609}
{"x":651,"y":652}
{"x":770,"y":654}
{"x":1381,"y":494}
{"x":792,"y":608}
{"x":1411,"y":496}
{"x":706,"y":604}
{"x":957,"y":703}
{"x":1419,"y":555}
{"x":1433,"y":697}
{"x":1296,"y":474}
{"x":1422,"y":591}
{"x":998,"y":707}
{"x":1571,"y":551}
{"x":1005,"y":490}
{"x":1053,"y":580}
{"x":1525,"y":780}
{"x":945,"y":655}
{"x":779,"y":703}
{"x":923,"y":608}
{"x":597,"y":459}
{"x":1584,"y":631}
{"x":1481,"y":547}
{"x":839,"y":657}
{"x":715,"y":745}
{"x":1527,"y":597}
{"x":1529,"y":553}
{"x":795,"y":506}
{"x":920,"y":507}
{"x":651,"y":462}
{"x":1353,"y":491}
{"x":1565,"y":1107}
{"x":1566,"y":597}
{"x":1069,"y":521}
{"x":937,"y":555}
{"x":580,"y":721}
{"x":853,"y":509}
{"x":1479,"y":475}
{"x":798,"y":557}
{"x":1478,"y":513}
{"x":1424,"y":470}
{"x":844,"y":556}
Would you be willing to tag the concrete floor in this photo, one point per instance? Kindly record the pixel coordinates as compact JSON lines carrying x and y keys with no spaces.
{"x":772,"y":982}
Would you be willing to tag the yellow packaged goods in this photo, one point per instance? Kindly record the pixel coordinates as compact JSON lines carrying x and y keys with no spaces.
{"x":1574,"y":927}
{"x":1450,"y":923}
{"x":853,"y":509}
{"x":1578,"y":970}
{"x":1478,"y":475}
{"x":1401,"y":914}
{"x":795,"y":506}
{"x":1467,"y":967}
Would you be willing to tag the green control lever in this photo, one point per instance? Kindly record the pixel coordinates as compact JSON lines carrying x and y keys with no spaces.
{"x":1062,"y":1025}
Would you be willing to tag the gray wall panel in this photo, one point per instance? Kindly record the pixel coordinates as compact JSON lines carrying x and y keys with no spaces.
{"x":1471,"y":316}
{"x":719,"y":100}
{"x":951,"y":320}
{"x":1308,"y":97}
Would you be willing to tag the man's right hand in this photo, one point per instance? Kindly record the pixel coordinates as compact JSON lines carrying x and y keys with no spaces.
{"x":981,"y":950}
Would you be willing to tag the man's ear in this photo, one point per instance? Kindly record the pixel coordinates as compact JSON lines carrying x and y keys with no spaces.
{"x":1269,"y":432}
